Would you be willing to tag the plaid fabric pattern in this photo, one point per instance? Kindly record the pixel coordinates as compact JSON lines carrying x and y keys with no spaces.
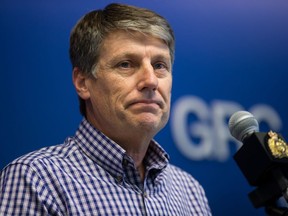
{"x":89,"y":174}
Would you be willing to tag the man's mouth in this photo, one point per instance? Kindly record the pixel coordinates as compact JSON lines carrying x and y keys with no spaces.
{"x":147,"y":103}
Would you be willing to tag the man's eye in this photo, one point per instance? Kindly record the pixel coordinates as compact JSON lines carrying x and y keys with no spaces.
{"x":125,"y":64}
{"x":160,"y":66}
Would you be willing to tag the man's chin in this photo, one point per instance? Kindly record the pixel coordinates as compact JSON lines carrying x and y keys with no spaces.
{"x":152,"y":124}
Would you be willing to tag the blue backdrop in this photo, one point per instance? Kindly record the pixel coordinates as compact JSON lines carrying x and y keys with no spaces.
{"x":230,"y":55}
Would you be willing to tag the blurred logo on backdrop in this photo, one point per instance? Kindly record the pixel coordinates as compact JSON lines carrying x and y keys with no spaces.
{"x":200,"y":130}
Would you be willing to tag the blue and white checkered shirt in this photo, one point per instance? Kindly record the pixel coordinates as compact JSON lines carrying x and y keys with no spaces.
{"x":91,"y":175}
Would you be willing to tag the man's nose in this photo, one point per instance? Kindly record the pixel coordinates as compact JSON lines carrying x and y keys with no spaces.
{"x":147,"y":78}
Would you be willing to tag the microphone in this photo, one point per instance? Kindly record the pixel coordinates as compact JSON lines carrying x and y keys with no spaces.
{"x":263,"y":159}
{"x":242,"y":124}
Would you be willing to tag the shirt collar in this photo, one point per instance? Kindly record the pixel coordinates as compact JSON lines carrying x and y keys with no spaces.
{"x":109,"y":155}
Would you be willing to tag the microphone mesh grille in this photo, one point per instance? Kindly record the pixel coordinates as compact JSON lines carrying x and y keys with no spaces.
{"x":242,"y":124}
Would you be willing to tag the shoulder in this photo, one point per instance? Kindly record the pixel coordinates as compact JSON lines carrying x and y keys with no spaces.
{"x":185,"y":184}
{"x":33,"y":178}
{"x":37,"y":168}
{"x":36,"y":157}
{"x":179,"y":173}
{"x":185,"y":181}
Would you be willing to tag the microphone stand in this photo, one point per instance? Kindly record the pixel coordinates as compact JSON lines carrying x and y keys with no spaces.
{"x":263,"y":159}
{"x":276,"y":211}
{"x":268,"y":193}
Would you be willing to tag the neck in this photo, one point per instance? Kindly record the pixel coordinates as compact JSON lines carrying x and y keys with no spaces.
{"x":137,"y":152}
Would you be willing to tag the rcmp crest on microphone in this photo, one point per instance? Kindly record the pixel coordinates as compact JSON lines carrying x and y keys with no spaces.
{"x":277,"y":146}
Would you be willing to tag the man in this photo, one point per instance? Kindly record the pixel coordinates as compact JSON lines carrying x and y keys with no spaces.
{"x":122,"y":71}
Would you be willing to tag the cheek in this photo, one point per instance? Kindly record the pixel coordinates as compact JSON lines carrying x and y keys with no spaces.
{"x":115,"y":98}
{"x":100,"y":98}
{"x":166,"y":90}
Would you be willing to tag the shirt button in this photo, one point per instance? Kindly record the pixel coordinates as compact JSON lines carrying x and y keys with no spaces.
{"x":125,"y":162}
{"x":145,"y":195}
{"x":119,"y":179}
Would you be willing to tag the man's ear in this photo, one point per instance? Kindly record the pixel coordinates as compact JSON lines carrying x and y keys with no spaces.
{"x":79,"y":81}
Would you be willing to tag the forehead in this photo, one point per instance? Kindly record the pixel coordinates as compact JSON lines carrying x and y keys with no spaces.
{"x":121,"y":41}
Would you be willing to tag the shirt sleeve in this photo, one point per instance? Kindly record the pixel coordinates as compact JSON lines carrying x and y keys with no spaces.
{"x":22,"y":192}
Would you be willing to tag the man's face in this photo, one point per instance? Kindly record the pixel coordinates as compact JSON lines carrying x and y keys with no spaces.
{"x":132,"y":89}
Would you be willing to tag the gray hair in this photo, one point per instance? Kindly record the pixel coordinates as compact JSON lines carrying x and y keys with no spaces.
{"x":88,"y":34}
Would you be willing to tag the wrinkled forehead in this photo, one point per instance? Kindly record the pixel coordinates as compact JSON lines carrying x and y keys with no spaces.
{"x":122,"y":39}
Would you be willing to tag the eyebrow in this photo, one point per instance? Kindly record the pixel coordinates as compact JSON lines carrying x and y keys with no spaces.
{"x":133,"y":55}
